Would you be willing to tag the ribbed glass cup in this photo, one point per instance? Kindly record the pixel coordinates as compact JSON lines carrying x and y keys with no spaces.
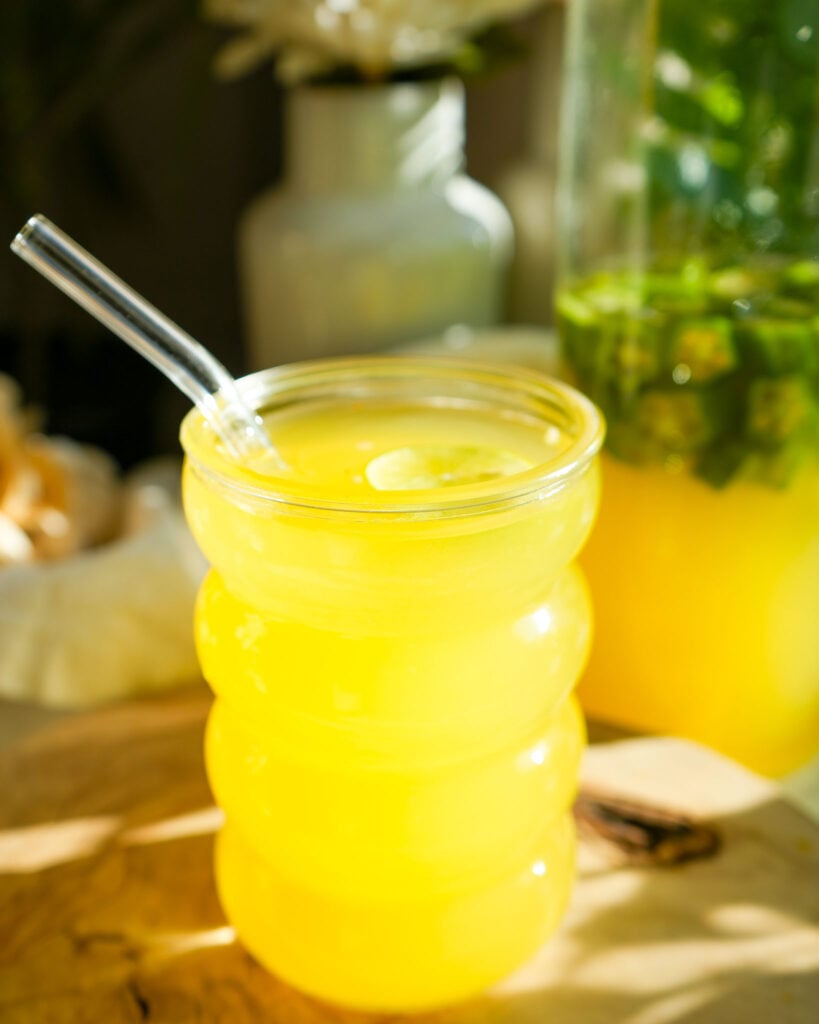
{"x":394,"y":740}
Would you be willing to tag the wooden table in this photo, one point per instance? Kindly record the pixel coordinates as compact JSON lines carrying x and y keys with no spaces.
{"x":108,"y":914}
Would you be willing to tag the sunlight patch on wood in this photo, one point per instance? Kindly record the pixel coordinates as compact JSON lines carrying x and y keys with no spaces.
{"x":173,"y":944}
{"x":36,"y":847}
{"x":196,"y":823}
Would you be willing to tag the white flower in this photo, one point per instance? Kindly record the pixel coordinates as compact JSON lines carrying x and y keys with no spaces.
{"x":376,"y":36}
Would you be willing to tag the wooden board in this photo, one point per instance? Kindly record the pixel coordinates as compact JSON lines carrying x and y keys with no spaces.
{"x":108,"y":914}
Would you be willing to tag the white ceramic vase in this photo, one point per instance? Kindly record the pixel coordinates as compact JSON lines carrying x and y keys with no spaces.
{"x":376,"y":236}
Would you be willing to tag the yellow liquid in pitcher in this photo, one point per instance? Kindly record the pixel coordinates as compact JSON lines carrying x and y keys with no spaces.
{"x":394,"y":742}
{"x":707,"y":612}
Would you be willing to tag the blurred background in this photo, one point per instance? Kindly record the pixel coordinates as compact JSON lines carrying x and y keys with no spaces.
{"x":691,"y":137}
{"x":114,"y":124}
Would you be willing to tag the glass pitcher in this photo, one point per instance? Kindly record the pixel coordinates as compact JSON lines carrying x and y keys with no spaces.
{"x":688,"y":309}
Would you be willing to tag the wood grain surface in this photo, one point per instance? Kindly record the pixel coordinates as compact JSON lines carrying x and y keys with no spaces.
{"x":108,"y":913}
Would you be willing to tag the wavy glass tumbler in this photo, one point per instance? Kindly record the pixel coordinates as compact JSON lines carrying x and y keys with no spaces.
{"x":394,"y":740}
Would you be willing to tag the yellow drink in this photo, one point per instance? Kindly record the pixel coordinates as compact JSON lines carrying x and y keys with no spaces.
{"x":393,"y":627}
{"x":704,"y":565}
{"x":708,"y":608}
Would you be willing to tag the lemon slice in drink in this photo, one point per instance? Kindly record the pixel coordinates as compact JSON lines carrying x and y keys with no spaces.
{"x":425,"y":466}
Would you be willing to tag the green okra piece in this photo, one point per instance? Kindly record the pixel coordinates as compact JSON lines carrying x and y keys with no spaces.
{"x":719,"y":463}
{"x":610,"y":295}
{"x":802,"y":279}
{"x":579,"y":330}
{"x":627,"y":443}
{"x":702,"y":349}
{"x":779,"y":346}
{"x":677,"y":421}
{"x":779,"y":409}
{"x":780,"y":467}
{"x":676,"y":294}
{"x":736,"y":283}
{"x":618,"y":352}
{"x":786,"y":307}
{"x":638,"y":357}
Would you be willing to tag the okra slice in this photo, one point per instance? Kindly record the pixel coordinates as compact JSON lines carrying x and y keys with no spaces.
{"x":613,"y":294}
{"x":703,"y":349}
{"x":628,"y":442}
{"x":779,"y":410}
{"x":721,"y":462}
{"x":735,"y":283}
{"x":802,"y":279}
{"x":579,"y":329}
{"x":778,"y":346}
{"x":780,"y":467}
{"x":678,"y":421}
{"x":785,"y":307}
{"x":638,"y":355}
{"x":575,"y":309}
{"x":679,"y":294}
{"x":619,"y":351}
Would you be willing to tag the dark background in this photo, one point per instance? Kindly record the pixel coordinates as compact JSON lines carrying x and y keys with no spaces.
{"x":113,"y":124}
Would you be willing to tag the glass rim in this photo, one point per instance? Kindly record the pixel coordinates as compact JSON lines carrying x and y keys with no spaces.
{"x":573,"y":412}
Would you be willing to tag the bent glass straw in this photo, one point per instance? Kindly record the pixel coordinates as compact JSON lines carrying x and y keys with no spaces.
{"x":179,"y":356}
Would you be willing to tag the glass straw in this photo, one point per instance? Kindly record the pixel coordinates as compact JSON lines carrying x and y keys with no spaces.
{"x":179,"y":356}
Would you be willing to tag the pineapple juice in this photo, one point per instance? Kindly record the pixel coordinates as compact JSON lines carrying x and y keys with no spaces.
{"x":393,"y":626}
{"x":704,"y":564}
